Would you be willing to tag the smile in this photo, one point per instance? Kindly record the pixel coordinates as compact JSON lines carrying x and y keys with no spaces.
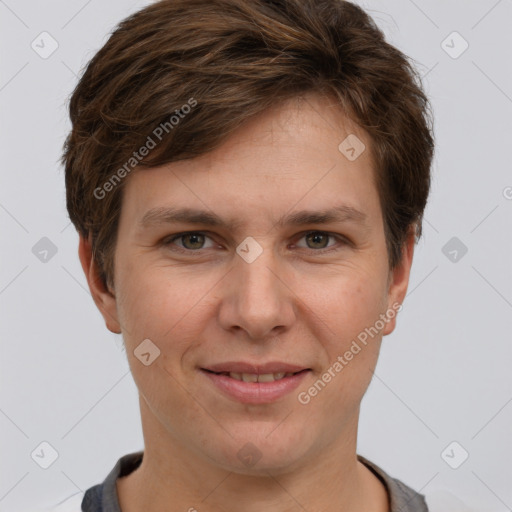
{"x":255,"y":388}
{"x":254,"y":377}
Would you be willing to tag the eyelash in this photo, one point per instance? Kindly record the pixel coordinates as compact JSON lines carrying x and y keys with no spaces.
{"x":343,"y":241}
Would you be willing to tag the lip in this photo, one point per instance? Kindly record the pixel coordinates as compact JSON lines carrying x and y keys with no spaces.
{"x":243,"y":367}
{"x":256,"y":392}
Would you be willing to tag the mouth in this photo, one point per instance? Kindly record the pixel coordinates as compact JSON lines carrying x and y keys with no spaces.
{"x":252,"y":384}
{"x":255,"y":377}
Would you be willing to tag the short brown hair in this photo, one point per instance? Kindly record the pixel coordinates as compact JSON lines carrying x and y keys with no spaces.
{"x":230,"y":60}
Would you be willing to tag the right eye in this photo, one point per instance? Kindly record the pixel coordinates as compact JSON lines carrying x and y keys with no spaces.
{"x":191,"y":241}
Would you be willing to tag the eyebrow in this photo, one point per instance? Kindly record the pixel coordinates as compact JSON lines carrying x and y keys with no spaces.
{"x":168,"y":215}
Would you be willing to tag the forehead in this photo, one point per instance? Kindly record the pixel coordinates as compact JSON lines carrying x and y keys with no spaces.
{"x":291,"y":158}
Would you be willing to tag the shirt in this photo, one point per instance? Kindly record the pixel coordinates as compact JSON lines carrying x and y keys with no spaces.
{"x":103,"y":497}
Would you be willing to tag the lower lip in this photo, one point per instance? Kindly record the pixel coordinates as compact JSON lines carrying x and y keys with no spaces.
{"x":256,"y":392}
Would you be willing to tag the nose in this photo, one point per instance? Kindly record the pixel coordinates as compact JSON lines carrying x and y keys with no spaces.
{"x":257,"y":298}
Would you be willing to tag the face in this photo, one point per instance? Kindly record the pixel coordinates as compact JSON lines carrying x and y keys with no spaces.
{"x":285,"y":269}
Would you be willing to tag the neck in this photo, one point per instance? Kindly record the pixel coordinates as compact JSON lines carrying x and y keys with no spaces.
{"x":174,"y":478}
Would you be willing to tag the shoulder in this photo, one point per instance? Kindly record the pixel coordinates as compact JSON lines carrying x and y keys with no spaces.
{"x":402,"y":497}
{"x":101,"y":496}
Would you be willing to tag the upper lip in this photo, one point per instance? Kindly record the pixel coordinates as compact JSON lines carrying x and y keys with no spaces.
{"x":255,"y":368}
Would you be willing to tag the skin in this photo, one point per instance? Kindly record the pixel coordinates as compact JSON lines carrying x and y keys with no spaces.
{"x":291,"y":304}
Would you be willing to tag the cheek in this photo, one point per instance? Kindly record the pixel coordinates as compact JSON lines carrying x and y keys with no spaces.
{"x":171,"y":310}
{"x":157,"y":304}
{"x":156,"y":301}
{"x":351,"y":310}
{"x":352,"y":355}
{"x":348,"y":304}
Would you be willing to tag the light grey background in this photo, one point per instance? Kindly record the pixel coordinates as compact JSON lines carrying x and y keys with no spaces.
{"x":444,"y":374}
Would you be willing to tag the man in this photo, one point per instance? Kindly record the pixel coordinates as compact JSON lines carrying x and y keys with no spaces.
{"x":248,"y":181}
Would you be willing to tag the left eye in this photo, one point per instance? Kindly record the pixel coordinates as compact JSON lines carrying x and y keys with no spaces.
{"x":319,"y":239}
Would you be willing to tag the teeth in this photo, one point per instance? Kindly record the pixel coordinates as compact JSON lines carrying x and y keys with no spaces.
{"x":253,"y":377}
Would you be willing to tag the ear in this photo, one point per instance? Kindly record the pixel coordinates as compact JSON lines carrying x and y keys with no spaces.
{"x":399,"y":280}
{"x":104,"y":298}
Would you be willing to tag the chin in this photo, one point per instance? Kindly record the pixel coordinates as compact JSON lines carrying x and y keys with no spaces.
{"x":259,"y":454}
